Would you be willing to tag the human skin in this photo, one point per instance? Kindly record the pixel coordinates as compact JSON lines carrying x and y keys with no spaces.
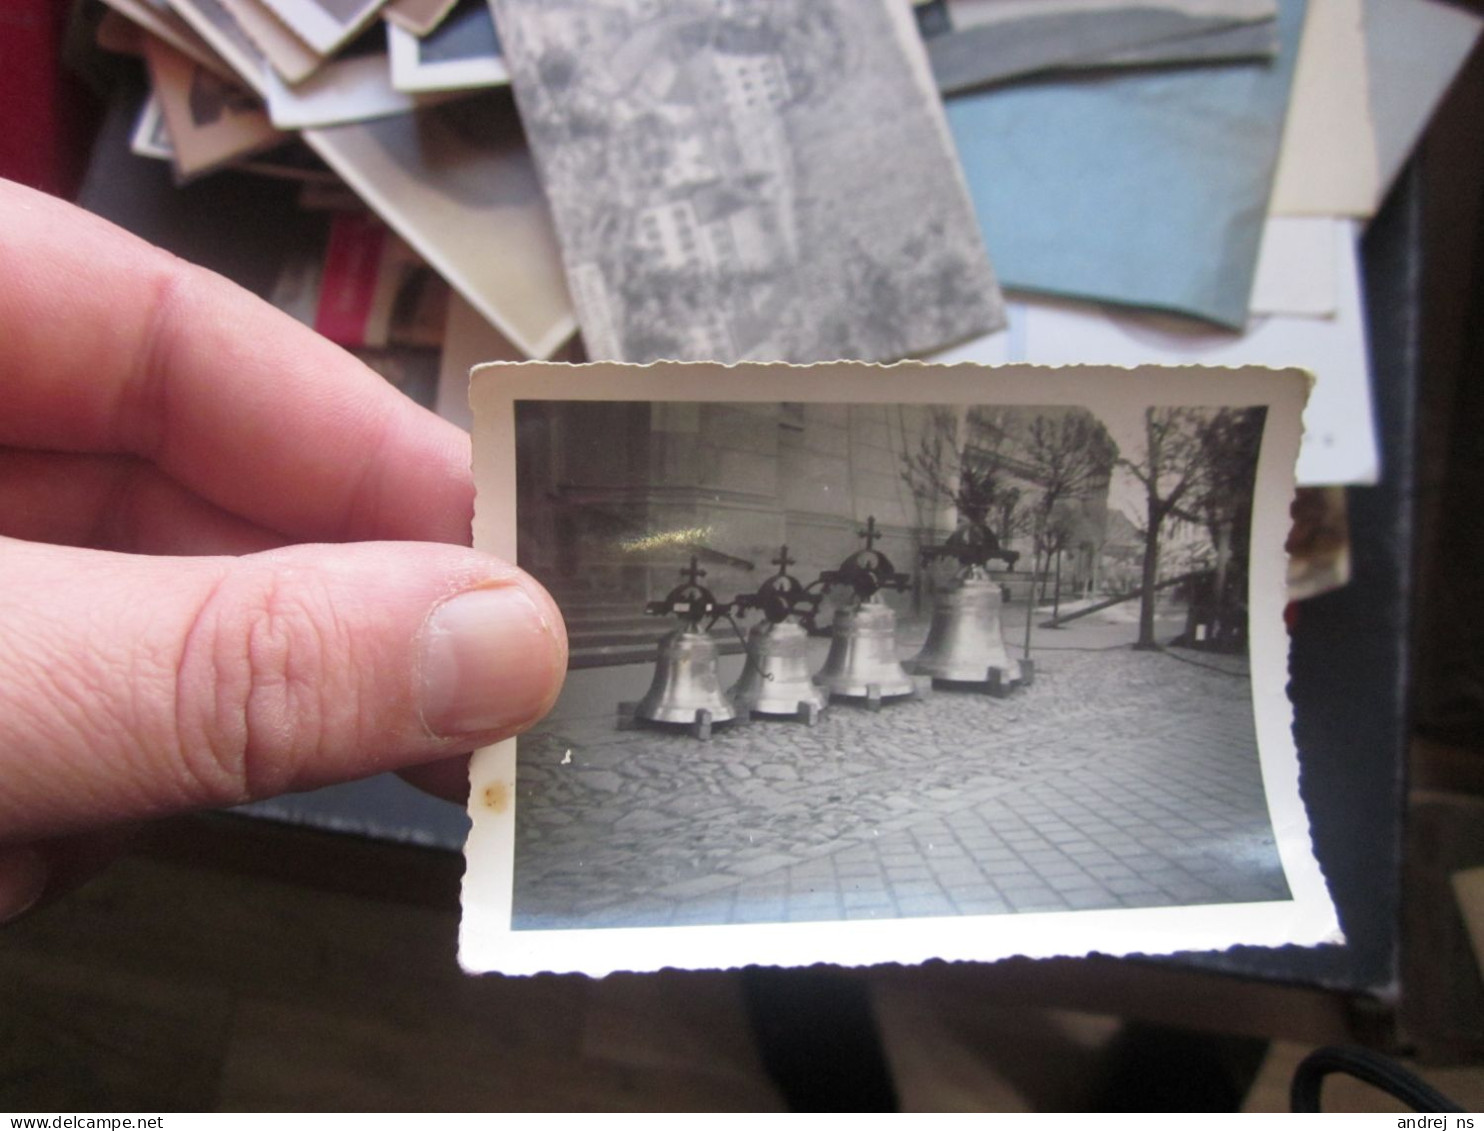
{"x":233,"y":560}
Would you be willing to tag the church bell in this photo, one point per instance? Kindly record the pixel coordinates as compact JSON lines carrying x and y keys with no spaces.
{"x":687,"y":685}
{"x":686,"y":688}
{"x":776,"y":680}
{"x":863,"y":663}
{"x":966,"y":642}
{"x":863,"y":650}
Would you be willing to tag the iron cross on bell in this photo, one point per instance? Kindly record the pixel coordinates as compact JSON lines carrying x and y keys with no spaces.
{"x":686,"y":689}
{"x":776,"y":679}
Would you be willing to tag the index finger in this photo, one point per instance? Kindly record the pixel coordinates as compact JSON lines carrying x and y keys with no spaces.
{"x":108,"y":344}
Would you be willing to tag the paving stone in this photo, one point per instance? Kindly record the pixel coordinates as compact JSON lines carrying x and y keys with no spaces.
{"x":944,"y":852}
{"x":814,"y":899}
{"x":897,"y":875}
{"x":916,"y":905}
{"x":700,"y":885}
{"x":777,"y":772}
{"x":981,"y":906}
{"x":878,"y":898}
{"x":645,"y":821}
{"x":1090,"y":899}
{"x":1057,"y":867}
{"x":1135,"y":767}
{"x":1073,"y":882}
{"x":1024,"y":881}
{"x":916,"y":888}
{"x":761,"y":864}
{"x":979,"y":891}
{"x":760,"y":911}
{"x":1035,"y":899}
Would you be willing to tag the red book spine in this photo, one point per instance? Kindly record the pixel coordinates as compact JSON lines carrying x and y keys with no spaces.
{"x":43,"y":139}
{"x":352,"y":263}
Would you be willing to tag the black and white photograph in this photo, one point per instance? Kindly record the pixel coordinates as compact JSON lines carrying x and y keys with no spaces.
{"x":158,"y":19}
{"x":756,"y":180}
{"x":420,"y":17}
{"x":211,"y":121}
{"x":151,"y":137}
{"x":462,"y":53}
{"x":290,"y":56}
{"x":882,"y":657}
{"x":325,"y":24}
{"x":456,"y":182}
{"x":354,"y":87}
{"x":220,"y":30}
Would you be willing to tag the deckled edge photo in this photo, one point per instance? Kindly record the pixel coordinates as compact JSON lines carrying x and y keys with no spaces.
{"x":487,"y":940}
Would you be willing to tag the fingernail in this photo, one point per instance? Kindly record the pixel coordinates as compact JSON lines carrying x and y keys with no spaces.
{"x":23,"y":876}
{"x":491,"y":661}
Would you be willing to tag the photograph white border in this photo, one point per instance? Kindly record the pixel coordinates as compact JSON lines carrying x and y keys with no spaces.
{"x":317,"y":27}
{"x":411,"y":75}
{"x":487,"y":941}
{"x":148,"y":126}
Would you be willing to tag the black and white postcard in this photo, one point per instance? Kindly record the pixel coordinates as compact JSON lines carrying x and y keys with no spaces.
{"x":151,"y":136}
{"x":882,"y":664}
{"x":462,"y":53}
{"x":211,"y":121}
{"x":290,"y":56}
{"x":456,"y":182}
{"x":356,"y":88}
{"x":325,"y":24}
{"x":768,"y":179}
{"x":420,"y":17}
{"x":163,"y":23}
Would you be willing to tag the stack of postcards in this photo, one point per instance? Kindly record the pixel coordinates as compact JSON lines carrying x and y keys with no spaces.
{"x":1168,"y":181}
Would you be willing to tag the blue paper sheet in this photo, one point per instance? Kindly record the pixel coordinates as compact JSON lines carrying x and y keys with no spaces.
{"x":1145,"y":189}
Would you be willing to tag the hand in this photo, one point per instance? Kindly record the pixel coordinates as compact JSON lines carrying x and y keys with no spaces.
{"x":167,"y":642}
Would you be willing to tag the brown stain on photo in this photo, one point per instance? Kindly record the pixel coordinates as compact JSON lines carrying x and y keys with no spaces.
{"x":497,"y":797}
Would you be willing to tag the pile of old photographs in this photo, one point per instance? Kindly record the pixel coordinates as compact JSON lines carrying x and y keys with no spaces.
{"x":794,"y":181}
{"x":963,"y":648}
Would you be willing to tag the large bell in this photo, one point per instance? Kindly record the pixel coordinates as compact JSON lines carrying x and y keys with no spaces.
{"x":776,"y":680}
{"x":687,"y":685}
{"x":965,"y":643}
{"x":863,"y":654}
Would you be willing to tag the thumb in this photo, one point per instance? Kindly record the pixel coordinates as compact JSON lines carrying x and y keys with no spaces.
{"x":136,"y":686}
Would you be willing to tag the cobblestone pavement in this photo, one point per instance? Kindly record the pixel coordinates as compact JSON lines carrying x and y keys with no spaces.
{"x":1119,"y":779}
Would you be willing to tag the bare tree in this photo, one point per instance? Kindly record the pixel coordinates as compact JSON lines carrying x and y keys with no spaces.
{"x":1068,"y":528}
{"x":1222,"y":503}
{"x":1172,"y":471}
{"x":1068,"y":456}
{"x":945,"y":468}
{"x":1058,"y":457}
